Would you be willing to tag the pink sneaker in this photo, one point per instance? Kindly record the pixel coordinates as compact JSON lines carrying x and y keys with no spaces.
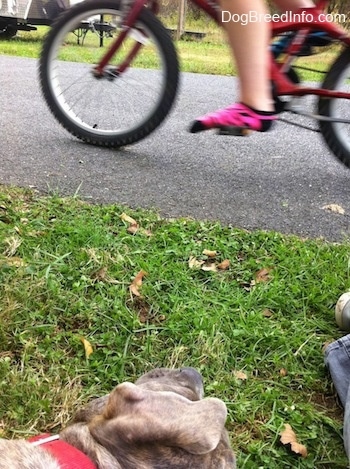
{"x":237,"y":116}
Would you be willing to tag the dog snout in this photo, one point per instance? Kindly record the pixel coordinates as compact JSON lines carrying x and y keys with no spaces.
{"x":194,"y":377}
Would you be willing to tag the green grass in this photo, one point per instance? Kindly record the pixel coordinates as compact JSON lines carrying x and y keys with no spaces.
{"x":210,"y":55}
{"x":65,"y":271}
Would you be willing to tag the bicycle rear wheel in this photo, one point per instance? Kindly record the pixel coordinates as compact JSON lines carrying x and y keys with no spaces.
{"x":337,"y":134}
{"x":125,"y":104}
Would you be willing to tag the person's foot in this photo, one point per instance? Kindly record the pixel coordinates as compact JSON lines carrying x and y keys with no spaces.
{"x":236,"y":116}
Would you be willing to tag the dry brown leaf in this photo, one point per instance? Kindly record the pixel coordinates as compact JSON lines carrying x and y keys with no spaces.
{"x":263,"y":275}
{"x":209,"y":267}
{"x":136,"y":283}
{"x":267,"y":313}
{"x":146,"y":232}
{"x":133,"y":225}
{"x":194,"y":263}
{"x":283,"y":372}
{"x":209,"y":253}
{"x":224,"y":265}
{"x":334,"y":208}
{"x":288,"y":438}
{"x":128,"y":219}
{"x":87,"y":347}
{"x":240,"y":375}
{"x":100,"y":275}
{"x":133,"y":228}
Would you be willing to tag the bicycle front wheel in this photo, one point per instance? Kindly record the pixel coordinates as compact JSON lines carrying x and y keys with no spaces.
{"x":137,"y":88}
{"x":337,"y":134}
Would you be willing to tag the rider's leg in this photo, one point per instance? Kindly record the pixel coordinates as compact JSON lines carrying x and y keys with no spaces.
{"x":249,"y":43}
{"x":292,"y":5}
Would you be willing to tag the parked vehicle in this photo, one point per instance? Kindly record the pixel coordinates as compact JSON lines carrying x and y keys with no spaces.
{"x":25,"y":15}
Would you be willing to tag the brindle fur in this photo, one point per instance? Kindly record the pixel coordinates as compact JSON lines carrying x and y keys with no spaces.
{"x":160,"y":422}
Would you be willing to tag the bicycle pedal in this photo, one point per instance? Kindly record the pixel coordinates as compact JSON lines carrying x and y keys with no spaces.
{"x":235,"y":131}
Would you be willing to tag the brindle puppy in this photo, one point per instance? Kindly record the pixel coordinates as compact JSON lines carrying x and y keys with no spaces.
{"x":160,"y":422}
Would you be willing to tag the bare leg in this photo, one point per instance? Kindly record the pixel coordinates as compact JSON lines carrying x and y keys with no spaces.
{"x":292,"y":5}
{"x":249,"y":44}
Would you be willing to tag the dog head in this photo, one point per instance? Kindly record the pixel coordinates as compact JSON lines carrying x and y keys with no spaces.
{"x":161,"y":421}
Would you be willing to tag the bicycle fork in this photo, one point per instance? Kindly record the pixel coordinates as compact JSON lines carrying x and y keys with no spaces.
{"x":131,"y":10}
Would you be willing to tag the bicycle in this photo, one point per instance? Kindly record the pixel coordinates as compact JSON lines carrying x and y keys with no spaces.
{"x":122,"y":88}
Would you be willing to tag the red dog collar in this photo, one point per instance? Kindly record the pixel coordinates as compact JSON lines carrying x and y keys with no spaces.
{"x":66,"y":455}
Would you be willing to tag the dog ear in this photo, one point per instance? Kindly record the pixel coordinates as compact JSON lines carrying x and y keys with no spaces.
{"x":140,"y":416}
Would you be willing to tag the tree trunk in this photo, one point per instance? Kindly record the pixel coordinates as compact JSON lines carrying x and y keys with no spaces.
{"x":181,"y":19}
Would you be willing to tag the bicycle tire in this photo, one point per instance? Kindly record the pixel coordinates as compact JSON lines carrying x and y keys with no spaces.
{"x":335,"y":134}
{"x":90,"y":124}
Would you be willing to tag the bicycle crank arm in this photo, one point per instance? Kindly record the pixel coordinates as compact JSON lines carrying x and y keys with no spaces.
{"x":234,"y":131}
{"x":318,"y":117}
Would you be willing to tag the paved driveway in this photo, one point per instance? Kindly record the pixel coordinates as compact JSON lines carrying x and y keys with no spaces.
{"x":279,"y":181}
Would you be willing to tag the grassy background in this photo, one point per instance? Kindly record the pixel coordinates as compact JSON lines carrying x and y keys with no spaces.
{"x":65,"y":272}
{"x":208,"y":55}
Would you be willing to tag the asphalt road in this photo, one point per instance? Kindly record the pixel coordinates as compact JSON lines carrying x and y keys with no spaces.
{"x":279,"y":181}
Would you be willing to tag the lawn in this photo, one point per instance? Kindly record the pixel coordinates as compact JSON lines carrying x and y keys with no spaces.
{"x":208,"y":55}
{"x":251,"y":310}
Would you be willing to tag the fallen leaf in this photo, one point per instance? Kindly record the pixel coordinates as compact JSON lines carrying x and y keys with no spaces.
{"x":146,"y":232}
{"x":208,"y":253}
{"x":87,"y":346}
{"x":263,"y":275}
{"x":128,"y":219}
{"x":133,"y":225}
{"x":283,"y":372}
{"x":267,"y":313}
{"x":224,"y":265}
{"x":136,"y":283}
{"x":133,"y":229}
{"x":334,"y":208}
{"x":100,"y":275}
{"x":288,"y":438}
{"x":194,"y":263}
{"x":209,"y":267}
{"x":240,"y":375}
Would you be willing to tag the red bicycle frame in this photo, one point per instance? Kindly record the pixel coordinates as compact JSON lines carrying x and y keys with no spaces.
{"x":312,"y":19}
